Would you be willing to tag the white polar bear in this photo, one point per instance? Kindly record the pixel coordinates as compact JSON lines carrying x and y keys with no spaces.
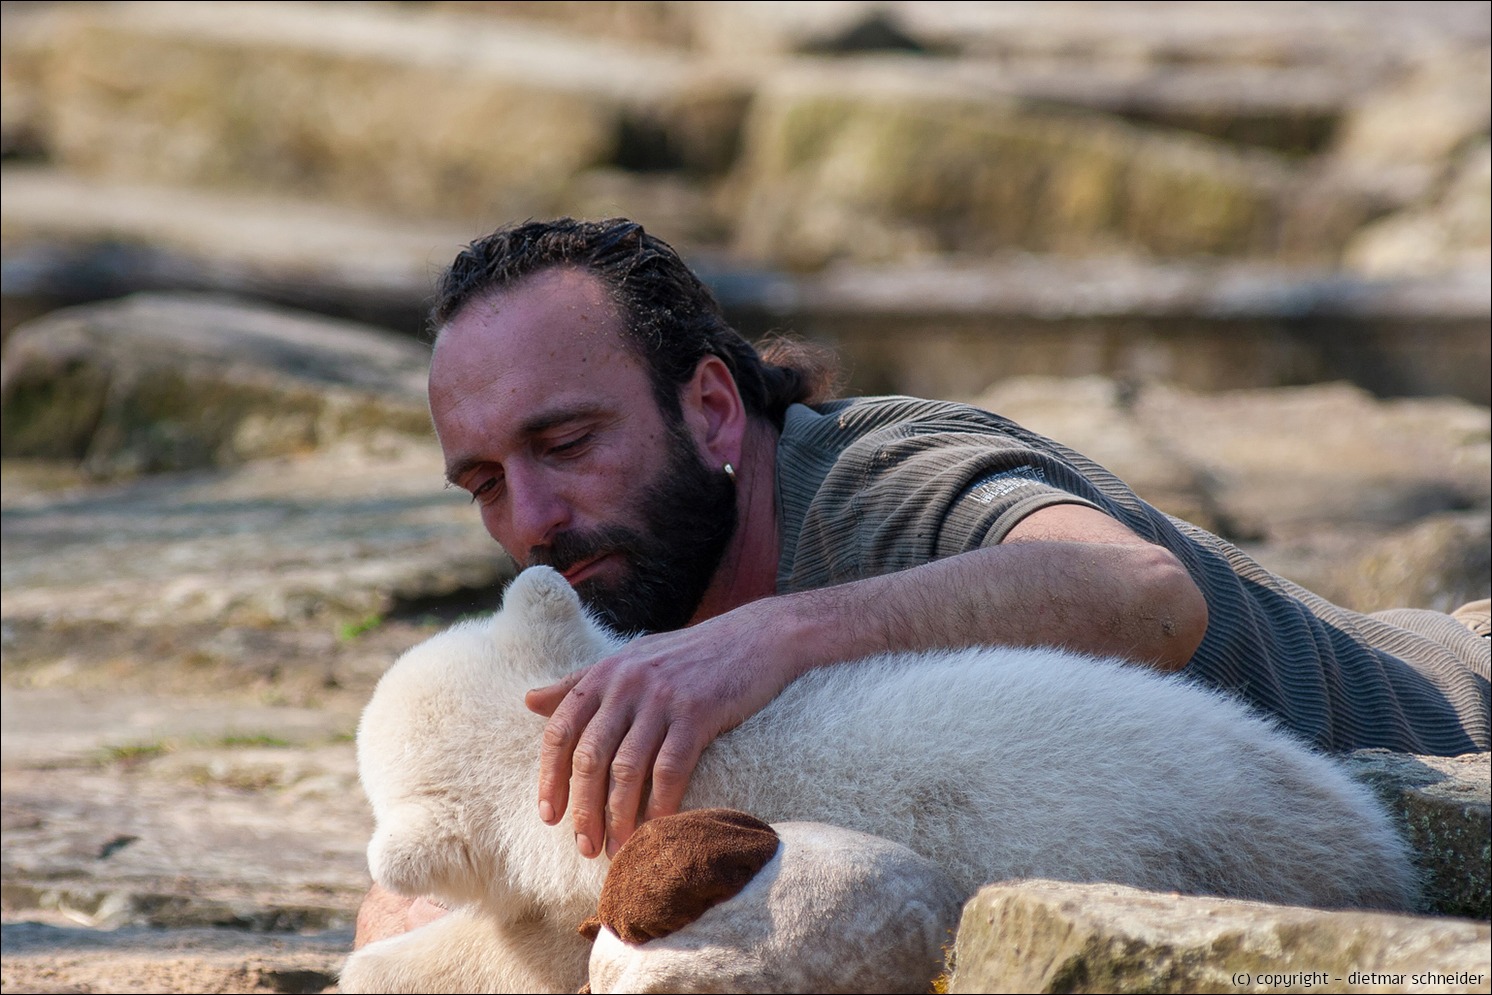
{"x":995,"y":763}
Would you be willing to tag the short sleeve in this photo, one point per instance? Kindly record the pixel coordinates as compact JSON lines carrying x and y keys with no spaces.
{"x":911,"y":492}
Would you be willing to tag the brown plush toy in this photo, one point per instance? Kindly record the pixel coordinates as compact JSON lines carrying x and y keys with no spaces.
{"x":716,"y":900}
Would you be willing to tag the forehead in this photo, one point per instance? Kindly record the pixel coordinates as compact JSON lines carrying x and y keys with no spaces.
{"x":553,"y":339}
{"x":559,"y":309}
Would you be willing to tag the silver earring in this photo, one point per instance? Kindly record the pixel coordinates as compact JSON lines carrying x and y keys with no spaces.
{"x":730,"y":472}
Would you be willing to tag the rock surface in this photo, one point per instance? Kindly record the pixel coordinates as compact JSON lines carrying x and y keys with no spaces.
{"x":416,"y":113}
{"x":56,"y":959}
{"x":1445,"y":809}
{"x":68,"y":239}
{"x":178,"y":831}
{"x":335,"y":536}
{"x":151,"y":384}
{"x":793,"y":135}
{"x":1048,"y":936}
{"x":884,"y":161}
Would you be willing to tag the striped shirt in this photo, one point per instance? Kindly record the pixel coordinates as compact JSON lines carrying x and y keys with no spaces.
{"x":868,"y":486}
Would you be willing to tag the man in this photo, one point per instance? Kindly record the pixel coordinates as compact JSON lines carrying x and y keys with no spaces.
{"x":607,"y":421}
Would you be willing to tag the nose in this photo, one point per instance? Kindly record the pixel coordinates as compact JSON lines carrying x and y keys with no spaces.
{"x":533,"y":512}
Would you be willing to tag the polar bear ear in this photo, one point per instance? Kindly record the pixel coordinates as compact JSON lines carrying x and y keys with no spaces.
{"x":543,"y":601}
{"x":542,"y":595}
{"x":543,"y":614}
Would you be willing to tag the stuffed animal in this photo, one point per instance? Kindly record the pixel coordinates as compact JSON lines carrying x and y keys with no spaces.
{"x":717,"y":900}
{"x":992,"y":763}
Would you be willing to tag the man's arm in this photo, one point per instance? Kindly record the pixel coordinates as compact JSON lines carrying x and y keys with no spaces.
{"x":383,"y":914}
{"x":1066,"y":575}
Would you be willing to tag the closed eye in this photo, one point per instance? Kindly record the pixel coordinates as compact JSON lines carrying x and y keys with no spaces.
{"x":570,"y":447}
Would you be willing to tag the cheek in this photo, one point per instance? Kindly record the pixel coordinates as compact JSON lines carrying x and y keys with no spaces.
{"x":494,"y":522}
{"x":613,"y":481}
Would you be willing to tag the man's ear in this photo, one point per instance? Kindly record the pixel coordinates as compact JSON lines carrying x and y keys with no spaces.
{"x":713,"y":411}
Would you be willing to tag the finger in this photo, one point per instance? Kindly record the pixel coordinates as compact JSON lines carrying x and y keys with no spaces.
{"x":590,"y":776}
{"x":630,"y":770}
{"x":677,"y":758}
{"x":561,"y":733}
{"x":546,"y":699}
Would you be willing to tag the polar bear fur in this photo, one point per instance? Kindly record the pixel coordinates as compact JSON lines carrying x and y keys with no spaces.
{"x":995,"y":763}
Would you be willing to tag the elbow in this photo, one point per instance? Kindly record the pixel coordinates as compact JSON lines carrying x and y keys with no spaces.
{"x":1172,"y":610}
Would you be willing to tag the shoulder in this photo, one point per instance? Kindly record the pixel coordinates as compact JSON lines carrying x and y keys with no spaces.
{"x":854,"y":442}
{"x":838,"y":447}
{"x":862,"y":435}
{"x":871,"y":485}
{"x":851,"y":419}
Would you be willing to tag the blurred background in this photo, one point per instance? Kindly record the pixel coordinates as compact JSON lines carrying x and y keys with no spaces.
{"x":1211,"y":194}
{"x":1238,"y":252}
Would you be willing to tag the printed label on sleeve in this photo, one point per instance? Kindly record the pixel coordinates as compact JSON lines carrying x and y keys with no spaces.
{"x":988,"y":490}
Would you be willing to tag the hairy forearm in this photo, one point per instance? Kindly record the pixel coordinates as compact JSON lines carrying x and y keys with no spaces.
{"x":1131,"y":600}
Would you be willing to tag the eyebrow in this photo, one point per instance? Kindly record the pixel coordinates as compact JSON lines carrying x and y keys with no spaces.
{"x":537,"y":425}
{"x":544,"y":421}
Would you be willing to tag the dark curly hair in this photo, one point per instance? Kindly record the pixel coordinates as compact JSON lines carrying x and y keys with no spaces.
{"x":672,"y":319}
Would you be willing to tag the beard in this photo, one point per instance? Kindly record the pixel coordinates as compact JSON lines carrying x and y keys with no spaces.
{"x":688,"y":517}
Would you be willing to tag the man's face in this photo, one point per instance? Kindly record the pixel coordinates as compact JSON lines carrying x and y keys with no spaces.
{"x":549,"y":421}
{"x":687,"y":517}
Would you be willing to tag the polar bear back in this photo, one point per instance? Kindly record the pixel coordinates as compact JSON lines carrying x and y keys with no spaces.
{"x":1002,"y":763}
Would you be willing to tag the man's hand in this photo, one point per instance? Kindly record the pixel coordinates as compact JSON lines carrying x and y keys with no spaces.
{"x":629,"y":730}
{"x":384,"y":914}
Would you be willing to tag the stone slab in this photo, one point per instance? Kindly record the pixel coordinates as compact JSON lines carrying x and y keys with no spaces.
{"x":420,"y":113}
{"x":72,"y":239}
{"x":951,"y":327}
{"x":334,"y":536}
{"x":1048,"y":936}
{"x":1444,"y":806}
{"x":45,"y":958}
{"x":330,"y":500}
{"x":882,"y":161}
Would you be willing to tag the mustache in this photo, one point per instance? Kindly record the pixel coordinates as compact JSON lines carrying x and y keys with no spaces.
{"x":567,"y":549}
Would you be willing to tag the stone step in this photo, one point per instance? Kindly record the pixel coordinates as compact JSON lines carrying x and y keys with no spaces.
{"x":1406,"y":527}
{"x":328,"y":500}
{"x":949,"y":327}
{"x":1193,"y":32}
{"x":68,"y":240}
{"x":1445,"y":812}
{"x":1178,"y":33}
{"x":57,"y":959}
{"x":1051,"y":936}
{"x":896,"y":158}
{"x":945,"y":327}
{"x":1281,"y":82}
{"x":1284,"y":78}
{"x":444,"y":113}
{"x":149,"y":384}
{"x":424,"y":114}
{"x":882,"y":160}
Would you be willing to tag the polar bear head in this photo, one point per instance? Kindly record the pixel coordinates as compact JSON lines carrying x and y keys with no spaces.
{"x":448,"y":755}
